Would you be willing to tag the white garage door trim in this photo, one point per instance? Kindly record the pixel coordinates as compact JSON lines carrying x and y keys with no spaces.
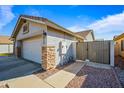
{"x":31,"y":49}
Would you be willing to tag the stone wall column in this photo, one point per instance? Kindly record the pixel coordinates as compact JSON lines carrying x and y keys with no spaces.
{"x":48,"y":57}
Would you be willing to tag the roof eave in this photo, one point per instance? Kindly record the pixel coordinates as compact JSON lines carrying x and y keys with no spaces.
{"x":93,"y":35}
{"x":66,"y":30}
{"x":119,"y":37}
{"x":13,"y":33}
{"x":42,"y":22}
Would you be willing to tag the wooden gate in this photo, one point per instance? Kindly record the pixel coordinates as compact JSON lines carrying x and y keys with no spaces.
{"x":96,"y":51}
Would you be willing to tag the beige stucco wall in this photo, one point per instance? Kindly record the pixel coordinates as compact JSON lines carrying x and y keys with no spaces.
{"x":54,"y":38}
{"x":31,"y":38}
{"x":118,"y":47}
{"x":34,"y":29}
{"x":89,"y":37}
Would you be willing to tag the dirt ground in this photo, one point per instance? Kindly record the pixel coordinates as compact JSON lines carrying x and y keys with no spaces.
{"x":119,"y":62}
{"x":44,"y":74}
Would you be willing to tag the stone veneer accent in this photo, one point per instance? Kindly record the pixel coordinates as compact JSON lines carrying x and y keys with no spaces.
{"x":48,"y":57}
{"x":18,"y":51}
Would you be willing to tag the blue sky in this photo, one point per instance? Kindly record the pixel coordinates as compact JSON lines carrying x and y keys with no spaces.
{"x":106,"y":21}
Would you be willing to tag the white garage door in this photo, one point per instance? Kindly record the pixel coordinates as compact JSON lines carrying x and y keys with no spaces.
{"x":32,"y":49}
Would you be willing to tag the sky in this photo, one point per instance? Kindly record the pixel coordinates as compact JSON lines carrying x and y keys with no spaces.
{"x":105,"y":21}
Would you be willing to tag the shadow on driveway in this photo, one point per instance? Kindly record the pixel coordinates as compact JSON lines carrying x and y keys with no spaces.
{"x":11,"y":67}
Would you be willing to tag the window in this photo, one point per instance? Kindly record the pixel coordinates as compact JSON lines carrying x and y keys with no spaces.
{"x":26,"y":28}
{"x":122,"y":45}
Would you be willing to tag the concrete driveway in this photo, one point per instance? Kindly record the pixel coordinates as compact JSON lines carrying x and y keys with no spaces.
{"x":65,"y":76}
{"x":11,"y":67}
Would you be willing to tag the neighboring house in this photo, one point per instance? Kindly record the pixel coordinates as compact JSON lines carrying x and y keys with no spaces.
{"x":6,"y":45}
{"x":99,"y":40}
{"x":43,"y":41}
{"x":119,"y":45}
{"x":88,"y":35}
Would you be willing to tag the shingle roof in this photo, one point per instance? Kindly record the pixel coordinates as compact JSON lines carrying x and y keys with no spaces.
{"x":5,"y":40}
{"x":49,"y":23}
{"x":84,"y":33}
{"x":34,"y":17}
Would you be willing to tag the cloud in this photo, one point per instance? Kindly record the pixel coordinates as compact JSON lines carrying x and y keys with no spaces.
{"x":82,"y":21}
{"x":105,"y":27}
{"x":32,"y":11}
{"x":6,"y":15}
{"x":109,"y":24}
{"x":76,"y":28}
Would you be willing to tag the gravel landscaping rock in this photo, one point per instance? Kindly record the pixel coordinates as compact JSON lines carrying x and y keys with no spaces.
{"x":120,"y":74}
{"x":91,"y":77}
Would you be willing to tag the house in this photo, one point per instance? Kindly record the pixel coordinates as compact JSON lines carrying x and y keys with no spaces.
{"x":119,"y":48}
{"x":44,"y":42}
{"x":119,"y":45}
{"x":6,"y":45}
{"x":88,"y":35}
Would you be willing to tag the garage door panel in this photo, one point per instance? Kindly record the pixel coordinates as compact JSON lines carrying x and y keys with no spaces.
{"x":32,"y":49}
